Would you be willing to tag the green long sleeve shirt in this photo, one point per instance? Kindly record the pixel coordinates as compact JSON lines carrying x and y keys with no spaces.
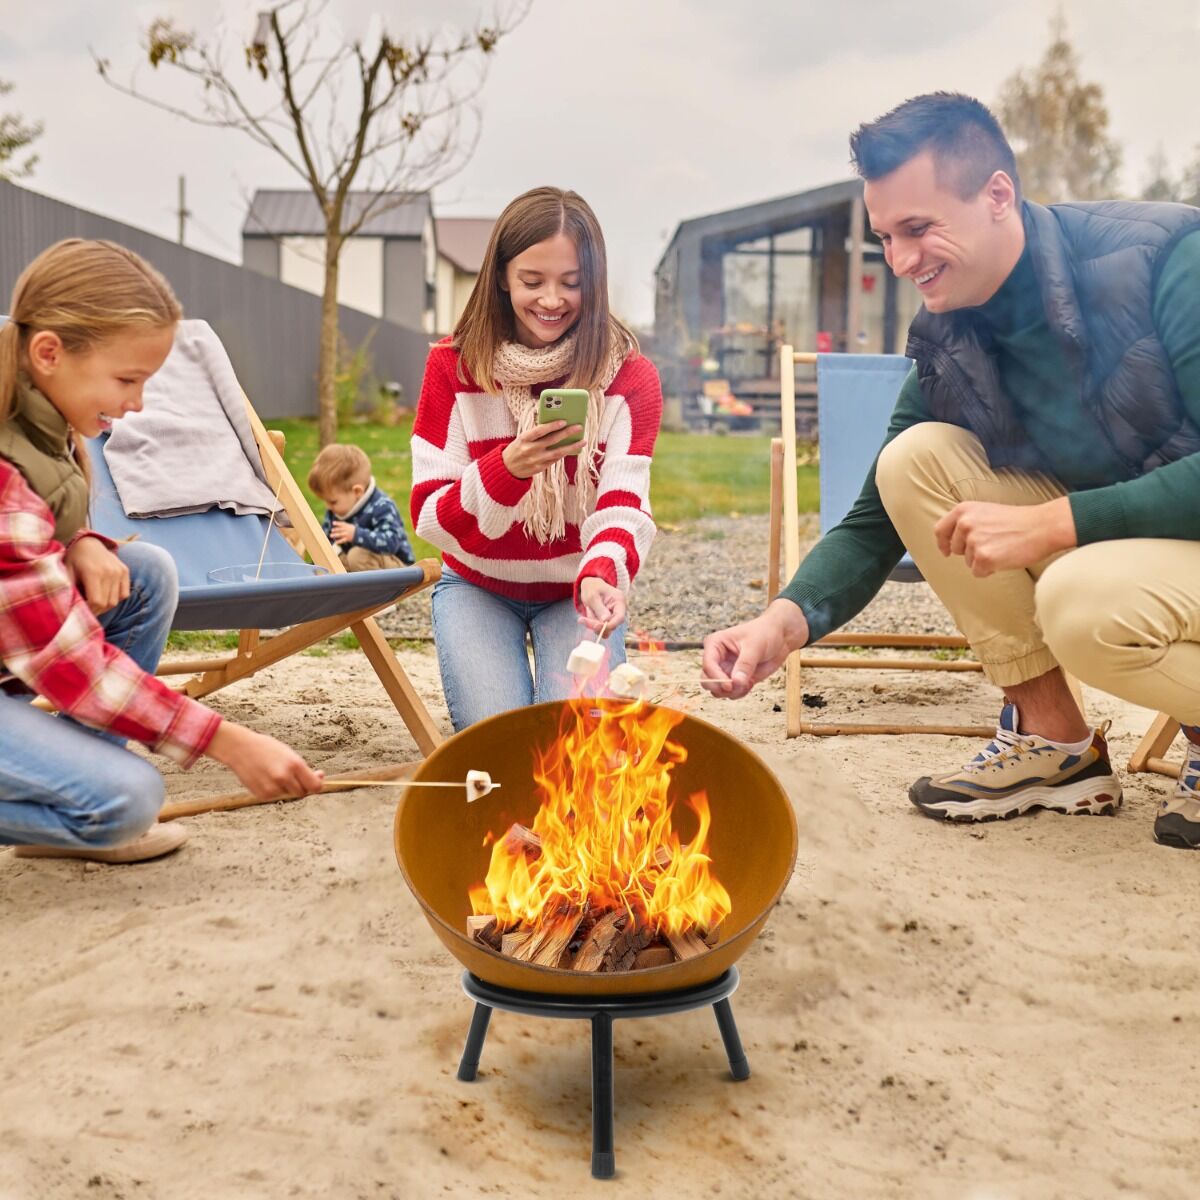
{"x":852,"y":561}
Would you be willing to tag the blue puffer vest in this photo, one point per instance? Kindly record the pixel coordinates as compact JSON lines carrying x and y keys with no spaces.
{"x":1097,"y":266}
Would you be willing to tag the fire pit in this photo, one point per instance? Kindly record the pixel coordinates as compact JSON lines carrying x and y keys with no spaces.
{"x":444,"y":847}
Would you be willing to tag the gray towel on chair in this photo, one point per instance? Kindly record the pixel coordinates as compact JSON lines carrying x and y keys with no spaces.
{"x":191,"y":447}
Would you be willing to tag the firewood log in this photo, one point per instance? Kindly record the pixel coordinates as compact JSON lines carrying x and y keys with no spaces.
{"x":656,"y":955}
{"x":599,"y":941}
{"x":686,"y":945}
{"x":485,"y":930}
{"x":548,"y":947}
{"x":521,"y":838}
{"x":510,"y":943}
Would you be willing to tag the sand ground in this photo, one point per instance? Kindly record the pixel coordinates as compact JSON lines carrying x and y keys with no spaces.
{"x":991,"y":1012}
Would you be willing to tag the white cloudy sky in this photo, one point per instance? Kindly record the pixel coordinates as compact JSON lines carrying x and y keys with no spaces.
{"x":655,"y":110}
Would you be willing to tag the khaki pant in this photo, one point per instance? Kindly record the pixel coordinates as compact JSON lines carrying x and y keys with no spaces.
{"x":1122,"y":616}
{"x":359,"y":558}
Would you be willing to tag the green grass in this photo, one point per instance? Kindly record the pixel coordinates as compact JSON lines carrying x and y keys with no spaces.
{"x":694,"y":476}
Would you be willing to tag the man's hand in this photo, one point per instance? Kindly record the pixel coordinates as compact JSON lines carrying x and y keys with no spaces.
{"x":532,"y":452}
{"x":1005,"y":537}
{"x":746,"y":654}
{"x":603,"y":604}
{"x":99,"y":574}
{"x":268,"y":768}
{"x":341,"y":533}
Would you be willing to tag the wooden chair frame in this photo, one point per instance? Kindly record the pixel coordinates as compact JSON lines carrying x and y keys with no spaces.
{"x":1150,"y":755}
{"x":254,"y":653}
{"x":785,"y":523}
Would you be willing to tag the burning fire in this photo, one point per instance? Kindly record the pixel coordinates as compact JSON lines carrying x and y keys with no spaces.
{"x":607,"y":841}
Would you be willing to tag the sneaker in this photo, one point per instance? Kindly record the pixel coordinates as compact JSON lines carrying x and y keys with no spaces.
{"x":1017,"y":772}
{"x":1178,"y":820}
{"x":154,"y":843}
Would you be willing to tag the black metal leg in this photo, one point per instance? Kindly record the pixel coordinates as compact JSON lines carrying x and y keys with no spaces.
{"x":604,"y":1158}
{"x":739,"y":1067}
{"x":469,"y":1063}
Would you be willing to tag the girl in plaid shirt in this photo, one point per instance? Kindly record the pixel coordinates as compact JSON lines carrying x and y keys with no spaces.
{"x":83,"y":620}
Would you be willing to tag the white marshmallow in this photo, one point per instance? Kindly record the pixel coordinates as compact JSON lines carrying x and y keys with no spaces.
{"x":627,"y":681}
{"x":585,"y":659}
{"x":479,"y":783}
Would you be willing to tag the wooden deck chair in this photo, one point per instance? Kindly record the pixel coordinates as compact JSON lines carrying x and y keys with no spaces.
{"x":855,"y":397}
{"x":1150,"y":755}
{"x":306,"y":609}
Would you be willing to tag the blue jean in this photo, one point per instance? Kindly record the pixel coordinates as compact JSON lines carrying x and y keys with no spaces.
{"x":482,"y":649}
{"x":64,"y":784}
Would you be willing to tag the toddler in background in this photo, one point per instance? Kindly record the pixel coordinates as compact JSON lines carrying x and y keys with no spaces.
{"x":361,"y":519}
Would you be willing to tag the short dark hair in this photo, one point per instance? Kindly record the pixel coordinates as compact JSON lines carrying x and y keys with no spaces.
{"x":966,"y":141}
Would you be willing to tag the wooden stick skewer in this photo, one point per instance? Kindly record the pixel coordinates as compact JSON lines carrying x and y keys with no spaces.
{"x":270,"y":525}
{"x":340,"y":785}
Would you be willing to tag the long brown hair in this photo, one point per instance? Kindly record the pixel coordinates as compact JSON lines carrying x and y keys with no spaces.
{"x":488,"y":317}
{"x":86,"y":292}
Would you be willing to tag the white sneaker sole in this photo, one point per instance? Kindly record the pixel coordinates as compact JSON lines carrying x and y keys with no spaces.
{"x":1098,"y":796}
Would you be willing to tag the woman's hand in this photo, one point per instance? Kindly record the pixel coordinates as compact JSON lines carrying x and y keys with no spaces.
{"x":603,"y":604}
{"x":532,"y":452}
{"x":101,"y":577}
{"x":269,"y":769}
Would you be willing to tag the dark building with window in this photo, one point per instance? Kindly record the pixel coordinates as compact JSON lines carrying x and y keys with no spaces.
{"x":733,"y":286}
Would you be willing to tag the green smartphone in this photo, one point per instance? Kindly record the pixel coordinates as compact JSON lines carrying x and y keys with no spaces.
{"x":564,"y":404}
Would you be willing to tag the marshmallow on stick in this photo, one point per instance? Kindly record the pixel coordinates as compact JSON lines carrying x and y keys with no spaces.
{"x":627,"y":681}
{"x":585,"y":659}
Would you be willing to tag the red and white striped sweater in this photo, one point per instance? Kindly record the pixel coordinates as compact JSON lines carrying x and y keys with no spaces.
{"x":466,"y":501}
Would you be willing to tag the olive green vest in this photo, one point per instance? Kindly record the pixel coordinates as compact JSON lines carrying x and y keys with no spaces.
{"x":37,"y":441}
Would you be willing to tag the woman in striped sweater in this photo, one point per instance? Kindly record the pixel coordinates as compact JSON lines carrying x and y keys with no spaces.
{"x":536,"y":539}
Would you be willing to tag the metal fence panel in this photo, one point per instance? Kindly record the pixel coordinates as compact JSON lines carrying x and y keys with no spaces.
{"x":270,"y":329}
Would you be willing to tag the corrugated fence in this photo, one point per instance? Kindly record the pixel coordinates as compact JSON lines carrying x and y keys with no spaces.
{"x":271,"y":330}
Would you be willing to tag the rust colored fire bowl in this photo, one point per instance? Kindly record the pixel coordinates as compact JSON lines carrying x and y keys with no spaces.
{"x":444,"y":845}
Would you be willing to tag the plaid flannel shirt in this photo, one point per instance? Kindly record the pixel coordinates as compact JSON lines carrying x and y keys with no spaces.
{"x":51,"y":641}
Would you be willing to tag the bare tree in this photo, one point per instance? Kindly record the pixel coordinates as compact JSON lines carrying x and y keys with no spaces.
{"x":1058,"y":126}
{"x":16,"y":134}
{"x":363,"y":122}
{"x":1160,"y":184}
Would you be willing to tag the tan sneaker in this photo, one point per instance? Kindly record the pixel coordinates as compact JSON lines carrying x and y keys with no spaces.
{"x":1178,"y":821}
{"x":154,"y":843}
{"x":1017,"y":772}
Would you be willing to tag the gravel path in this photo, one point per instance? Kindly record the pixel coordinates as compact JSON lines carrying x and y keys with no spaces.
{"x":713,"y":573}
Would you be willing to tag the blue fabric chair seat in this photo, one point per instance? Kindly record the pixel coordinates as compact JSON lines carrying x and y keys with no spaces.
{"x":856,"y":394}
{"x":201,"y":542}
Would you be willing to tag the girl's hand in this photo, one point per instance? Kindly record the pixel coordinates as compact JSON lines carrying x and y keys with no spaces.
{"x":269,"y":769}
{"x":532,"y":452}
{"x":603,"y":604}
{"x":99,"y":574}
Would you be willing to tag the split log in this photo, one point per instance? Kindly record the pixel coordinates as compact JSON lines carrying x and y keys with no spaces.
{"x":686,"y":945}
{"x":656,"y":955}
{"x":520,"y":838}
{"x":549,"y":945}
{"x":613,"y":944}
{"x":512,"y":942}
{"x":485,"y":930}
{"x":712,"y":937}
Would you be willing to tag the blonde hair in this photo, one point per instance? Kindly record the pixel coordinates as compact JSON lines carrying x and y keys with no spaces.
{"x":338,"y":468}
{"x":87,"y":292}
{"x":488,"y":320}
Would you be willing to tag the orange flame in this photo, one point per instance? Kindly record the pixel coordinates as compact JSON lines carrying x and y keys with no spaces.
{"x":607,"y":839}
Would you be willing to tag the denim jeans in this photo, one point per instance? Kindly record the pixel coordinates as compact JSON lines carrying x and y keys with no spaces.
{"x":63,"y":784}
{"x":482,"y":649}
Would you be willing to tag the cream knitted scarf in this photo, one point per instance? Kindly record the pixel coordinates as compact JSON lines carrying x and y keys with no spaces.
{"x":546,"y":509}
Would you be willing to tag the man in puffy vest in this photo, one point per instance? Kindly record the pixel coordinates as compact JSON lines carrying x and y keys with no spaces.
{"x":1042,"y":464}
